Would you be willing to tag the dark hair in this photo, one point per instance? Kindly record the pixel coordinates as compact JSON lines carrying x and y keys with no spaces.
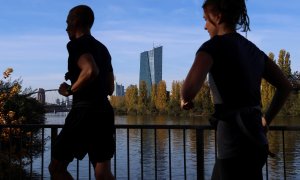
{"x":234,"y":12}
{"x":84,"y":15}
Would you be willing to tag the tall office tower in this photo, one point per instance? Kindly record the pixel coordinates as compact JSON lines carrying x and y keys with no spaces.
{"x":119,"y":90}
{"x":151,"y":67}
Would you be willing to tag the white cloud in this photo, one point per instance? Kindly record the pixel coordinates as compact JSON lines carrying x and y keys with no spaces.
{"x":133,"y":27}
{"x":33,"y":47}
{"x":39,"y":60}
{"x":273,"y":40}
{"x":179,"y":47}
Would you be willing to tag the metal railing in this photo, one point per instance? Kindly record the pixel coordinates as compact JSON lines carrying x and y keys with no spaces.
{"x":199,"y":138}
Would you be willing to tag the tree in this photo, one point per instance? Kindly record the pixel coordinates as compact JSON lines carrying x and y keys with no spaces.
{"x":118,"y":103}
{"x":153,"y":98}
{"x":17,"y":145}
{"x":295,"y":80}
{"x":291,"y":106}
{"x":161,"y":97}
{"x":142,"y":98}
{"x":174,"y":104}
{"x":203,"y":102}
{"x":131,"y":98}
{"x":287,"y":65}
{"x":284,"y":63}
{"x":267,"y":90}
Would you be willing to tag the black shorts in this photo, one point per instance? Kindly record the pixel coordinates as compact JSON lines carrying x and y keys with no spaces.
{"x":247,"y":166}
{"x":86,"y":130}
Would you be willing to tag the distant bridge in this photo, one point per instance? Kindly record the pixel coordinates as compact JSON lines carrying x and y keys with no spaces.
{"x":56,"y":108}
{"x":57,"y":105}
{"x":40,"y":90}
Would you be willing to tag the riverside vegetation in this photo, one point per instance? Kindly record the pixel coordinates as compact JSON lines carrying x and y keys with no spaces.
{"x":18,"y":146}
{"x":160,"y":101}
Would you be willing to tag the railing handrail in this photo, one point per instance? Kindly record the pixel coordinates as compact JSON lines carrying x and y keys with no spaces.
{"x":149,"y":126}
{"x":199,"y":135}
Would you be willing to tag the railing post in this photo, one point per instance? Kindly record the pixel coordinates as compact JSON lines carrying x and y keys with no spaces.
{"x":53,"y":138}
{"x":284,"y":159}
{"x":200,"y":153}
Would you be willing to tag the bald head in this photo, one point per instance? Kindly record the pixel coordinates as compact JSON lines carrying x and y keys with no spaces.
{"x":83,"y":15}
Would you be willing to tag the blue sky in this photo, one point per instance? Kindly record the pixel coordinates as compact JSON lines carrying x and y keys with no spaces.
{"x":33,"y":37}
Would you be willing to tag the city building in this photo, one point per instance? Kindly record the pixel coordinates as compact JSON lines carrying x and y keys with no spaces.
{"x":119,"y":90}
{"x":151,"y":67}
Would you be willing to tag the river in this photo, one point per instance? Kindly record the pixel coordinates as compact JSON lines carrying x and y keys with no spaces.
{"x":275,"y":165}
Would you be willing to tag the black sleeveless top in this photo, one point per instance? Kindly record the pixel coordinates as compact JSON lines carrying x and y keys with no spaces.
{"x":238,"y":67}
{"x":237,"y":70}
{"x":95,"y":93}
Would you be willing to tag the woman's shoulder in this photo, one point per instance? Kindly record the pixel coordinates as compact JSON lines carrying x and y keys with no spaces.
{"x":210,"y":45}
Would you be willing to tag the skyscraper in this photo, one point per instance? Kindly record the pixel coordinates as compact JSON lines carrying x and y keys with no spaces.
{"x":151,"y":67}
{"x":119,"y":90}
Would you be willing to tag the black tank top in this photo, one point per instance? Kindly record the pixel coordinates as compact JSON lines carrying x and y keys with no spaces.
{"x":94,"y":93}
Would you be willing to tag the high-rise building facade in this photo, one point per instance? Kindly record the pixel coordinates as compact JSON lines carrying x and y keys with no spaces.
{"x":119,"y":89}
{"x":151,"y":67}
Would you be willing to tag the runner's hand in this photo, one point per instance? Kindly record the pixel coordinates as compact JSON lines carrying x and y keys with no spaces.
{"x":63,"y":89}
{"x":265,"y":124}
{"x":187,"y":105}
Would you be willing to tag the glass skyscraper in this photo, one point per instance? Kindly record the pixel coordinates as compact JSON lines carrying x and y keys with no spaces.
{"x":119,"y":90}
{"x":151,"y":67}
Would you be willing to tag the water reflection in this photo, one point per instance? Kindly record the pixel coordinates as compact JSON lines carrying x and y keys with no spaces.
{"x":292,"y":154}
{"x":167,"y":148}
{"x":275,"y":165}
{"x":170,"y":153}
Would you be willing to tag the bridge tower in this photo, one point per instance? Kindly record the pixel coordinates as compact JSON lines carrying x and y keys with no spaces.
{"x":41,"y":97}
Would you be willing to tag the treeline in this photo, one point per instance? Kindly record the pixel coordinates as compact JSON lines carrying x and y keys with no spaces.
{"x":18,"y":145}
{"x":292,"y":105}
{"x":160,"y":101}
